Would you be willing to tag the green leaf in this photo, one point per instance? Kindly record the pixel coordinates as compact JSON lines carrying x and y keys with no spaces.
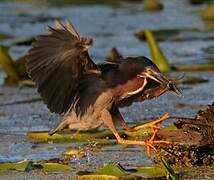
{"x":194,"y":67}
{"x":170,"y":172}
{"x":151,"y":172}
{"x":32,"y":166}
{"x":101,"y":137}
{"x":110,"y":171}
{"x":29,"y":166}
{"x":157,"y":55}
{"x":8,"y":66}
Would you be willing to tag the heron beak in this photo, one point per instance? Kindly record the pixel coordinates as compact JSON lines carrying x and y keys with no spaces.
{"x":156,"y":76}
{"x":175,"y":89}
{"x":160,"y":78}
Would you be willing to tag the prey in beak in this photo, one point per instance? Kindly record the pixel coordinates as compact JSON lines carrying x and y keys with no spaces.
{"x":157,"y":76}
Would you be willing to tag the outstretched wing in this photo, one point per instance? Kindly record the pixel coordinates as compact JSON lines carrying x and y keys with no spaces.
{"x":57,"y":62}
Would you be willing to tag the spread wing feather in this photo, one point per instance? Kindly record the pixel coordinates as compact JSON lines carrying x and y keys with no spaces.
{"x":57,"y":62}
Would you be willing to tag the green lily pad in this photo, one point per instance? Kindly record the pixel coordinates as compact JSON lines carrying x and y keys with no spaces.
{"x":43,"y":136}
{"x":116,"y":171}
{"x":15,"y":70}
{"x":103,"y":137}
{"x":108,"y":172}
{"x":55,"y":167}
{"x":32,"y":166}
{"x":99,"y":137}
{"x":194,"y":67}
{"x":29,"y":165}
{"x":152,"y":5}
{"x":208,"y":13}
{"x":154,"y":172}
{"x":20,"y":66}
{"x":8,"y":66}
{"x":160,"y":34}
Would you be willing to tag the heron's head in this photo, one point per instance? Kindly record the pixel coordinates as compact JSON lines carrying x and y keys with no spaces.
{"x":153,"y":75}
{"x":149,"y":74}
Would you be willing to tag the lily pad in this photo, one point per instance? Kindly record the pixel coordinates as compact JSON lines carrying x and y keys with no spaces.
{"x":152,"y":5}
{"x":178,"y":35}
{"x":116,"y":171}
{"x":15,"y":70}
{"x":194,"y":67}
{"x":8,"y":66}
{"x":29,"y":165}
{"x":108,"y":172}
{"x":102,"y":137}
{"x":99,"y":137}
{"x":208,"y":13}
{"x":20,"y":66}
{"x":32,"y":166}
{"x":160,"y":35}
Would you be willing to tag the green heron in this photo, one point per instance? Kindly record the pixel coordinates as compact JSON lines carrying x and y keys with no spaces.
{"x":72,"y":85}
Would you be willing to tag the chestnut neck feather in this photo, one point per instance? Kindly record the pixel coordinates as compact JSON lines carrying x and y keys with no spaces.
{"x":125,"y":79}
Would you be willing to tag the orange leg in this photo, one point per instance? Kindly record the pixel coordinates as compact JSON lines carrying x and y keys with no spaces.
{"x":107,"y":119}
{"x":118,"y":118}
{"x":152,"y":124}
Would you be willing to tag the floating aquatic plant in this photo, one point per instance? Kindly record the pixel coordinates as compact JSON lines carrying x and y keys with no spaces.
{"x":157,"y":55}
{"x":15,"y":70}
{"x":27,"y":166}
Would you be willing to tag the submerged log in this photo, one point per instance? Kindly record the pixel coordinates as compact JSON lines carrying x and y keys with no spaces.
{"x":194,"y":140}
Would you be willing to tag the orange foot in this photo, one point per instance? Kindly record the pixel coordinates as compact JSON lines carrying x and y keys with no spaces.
{"x":153,"y":125}
{"x":151,"y":142}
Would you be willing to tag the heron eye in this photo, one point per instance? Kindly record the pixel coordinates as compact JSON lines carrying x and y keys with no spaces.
{"x":148,"y":69}
{"x":170,"y":85}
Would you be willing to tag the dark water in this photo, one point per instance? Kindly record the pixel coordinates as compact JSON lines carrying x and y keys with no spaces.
{"x":110,"y":26}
